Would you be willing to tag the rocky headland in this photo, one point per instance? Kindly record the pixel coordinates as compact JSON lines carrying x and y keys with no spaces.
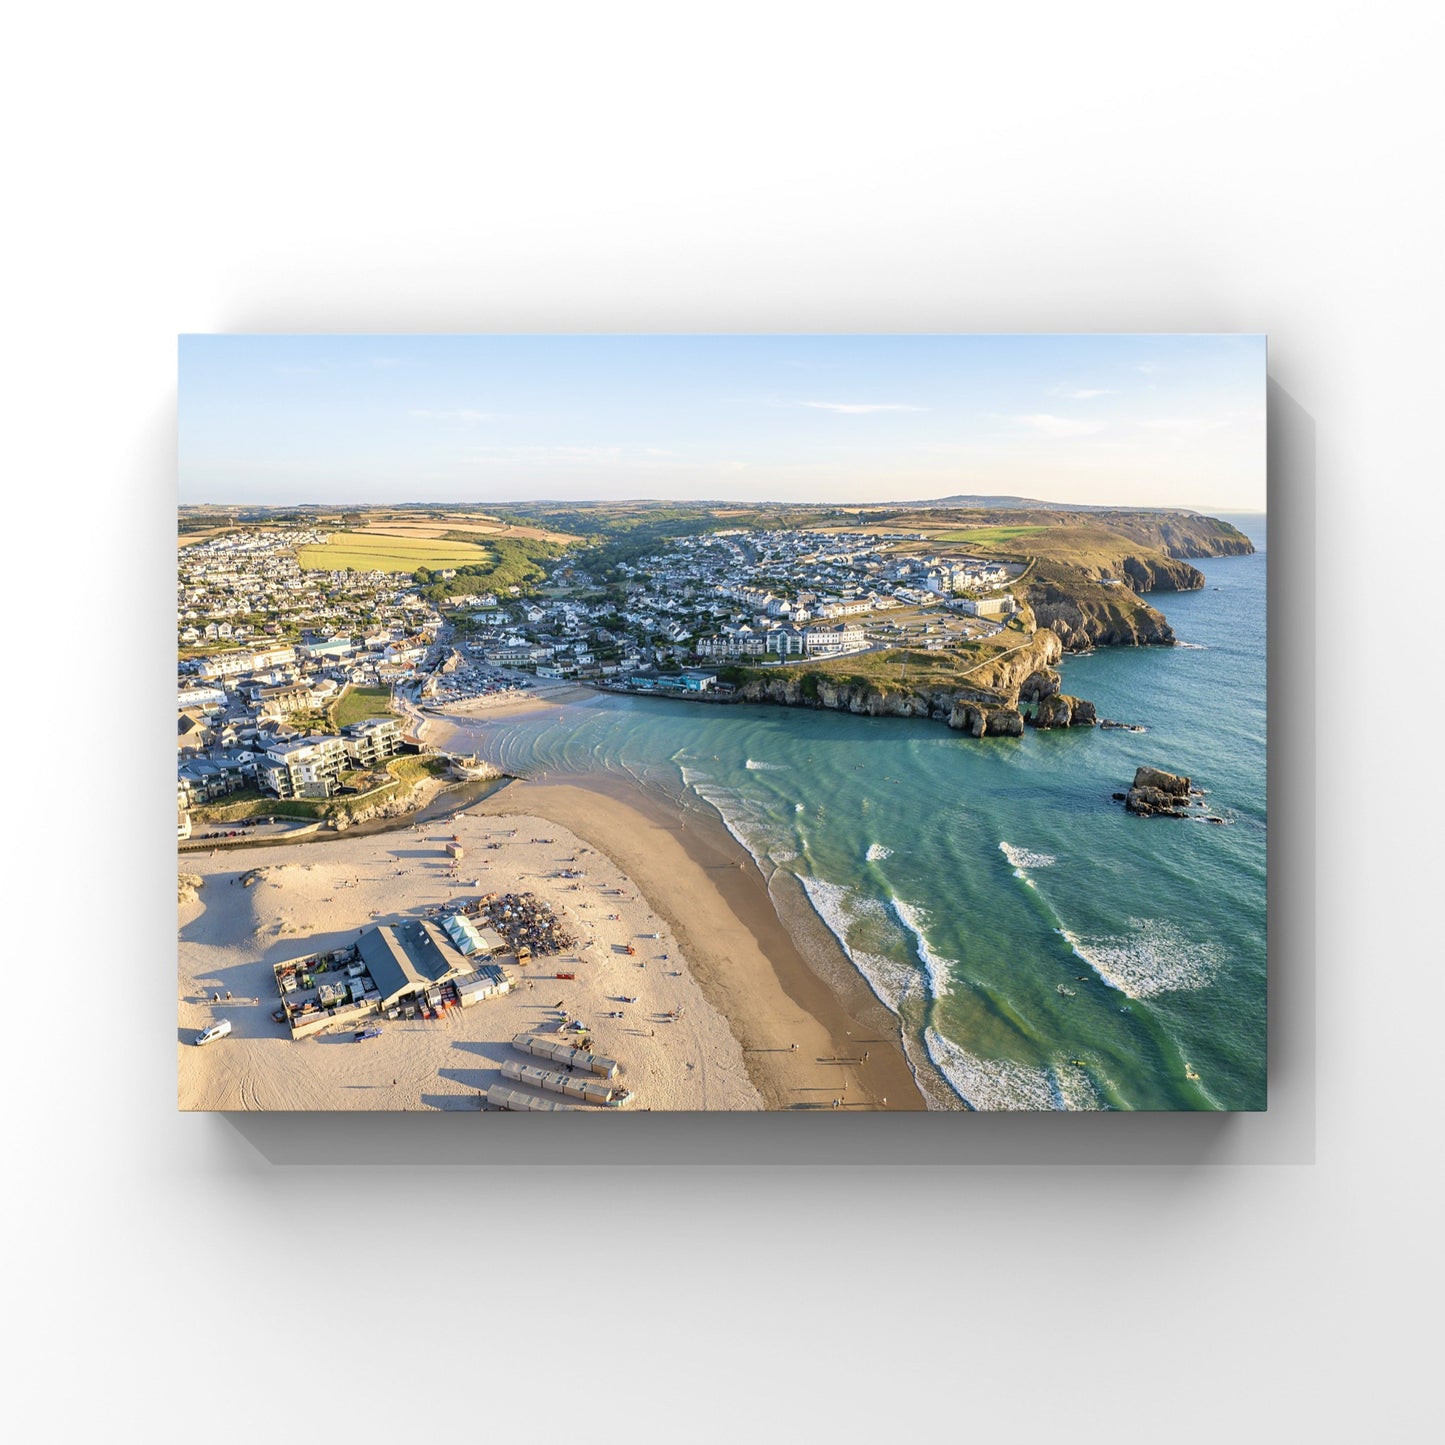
{"x":1089,"y":591}
{"x":985,"y":703}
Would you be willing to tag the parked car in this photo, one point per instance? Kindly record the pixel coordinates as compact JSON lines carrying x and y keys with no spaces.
{"x":217,"y":1030}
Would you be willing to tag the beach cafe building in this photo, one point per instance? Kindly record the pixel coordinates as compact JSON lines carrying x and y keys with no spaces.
{"x":405,"y":960}
{"x":404,"y":967}
{"x":409,"y":961}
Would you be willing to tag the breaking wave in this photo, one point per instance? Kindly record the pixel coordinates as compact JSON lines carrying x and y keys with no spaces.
{"x":840,"y":908}
{"x":1005,"y":1085}
{"x":988,"y":1084}
{"x":876,"y":852}
{"x":1021,"y":859}
{"x":939,"y":975}
{"x":1153,"y":958}
{"x":756,"y":767}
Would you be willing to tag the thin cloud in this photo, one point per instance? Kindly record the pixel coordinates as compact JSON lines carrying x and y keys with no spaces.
{"x":1083,"y":393}
{"x":860,"y":408}
{"x":1058,"y":426}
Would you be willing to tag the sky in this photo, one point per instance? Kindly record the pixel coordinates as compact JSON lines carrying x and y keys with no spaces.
{"x":1130,"y":420}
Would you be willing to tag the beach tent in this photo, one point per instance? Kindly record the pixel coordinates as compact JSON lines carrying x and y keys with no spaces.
{"x":463,"y":933}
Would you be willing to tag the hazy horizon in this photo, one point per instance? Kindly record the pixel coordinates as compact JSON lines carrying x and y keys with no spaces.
{"x":347,"y":503}
{"x":1159,"y":421}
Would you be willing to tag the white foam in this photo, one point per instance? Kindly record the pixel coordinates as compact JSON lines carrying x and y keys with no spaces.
{"x":748,"y":828}
{"x":988,"y":1084}
{"x":1021,"y":859}
{"x":876,"y":851}
{"x":1076,"y":1089}
{"x":939,"y":969}
{"x":1153,"y":958}
{"x":841,"y":907}
{"x":797,"y":807}
{"x":755,"y":767}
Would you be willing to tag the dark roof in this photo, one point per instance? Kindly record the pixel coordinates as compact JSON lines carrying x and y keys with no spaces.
{"x":402,"y":957}
{"x":388,"y":965}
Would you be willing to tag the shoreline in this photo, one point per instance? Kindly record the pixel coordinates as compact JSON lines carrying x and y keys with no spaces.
{"x":797,"y":1006}
{"x":741,"y":951}
{"x":799,"y":1018}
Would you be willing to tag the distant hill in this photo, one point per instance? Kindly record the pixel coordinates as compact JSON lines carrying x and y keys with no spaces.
{"x":995,"y":503}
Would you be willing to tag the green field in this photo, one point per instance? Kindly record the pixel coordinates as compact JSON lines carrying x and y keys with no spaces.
{"x":370,"y":552}
{"x":361,"y":702}
{"x":987,"y":536}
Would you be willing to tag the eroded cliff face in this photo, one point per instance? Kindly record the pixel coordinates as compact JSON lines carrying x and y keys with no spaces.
{"x":986,"y":706}
{"x":1085,"y":613}
{"x":1160,"y":574}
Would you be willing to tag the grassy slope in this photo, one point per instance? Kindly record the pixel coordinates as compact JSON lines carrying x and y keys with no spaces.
{"x":359,"y":703}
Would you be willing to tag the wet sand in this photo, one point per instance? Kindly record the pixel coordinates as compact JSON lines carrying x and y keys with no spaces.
{"x":715,"y":901}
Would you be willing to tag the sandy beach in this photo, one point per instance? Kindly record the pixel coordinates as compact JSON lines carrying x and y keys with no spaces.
{"x":715,"y":903}
{"x":778,"y":986}
{"x":309,"y":897}
{"x":720,"y":1007}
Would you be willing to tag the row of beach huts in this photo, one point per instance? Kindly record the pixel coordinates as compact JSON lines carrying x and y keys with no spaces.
{"x":584,"y":1075}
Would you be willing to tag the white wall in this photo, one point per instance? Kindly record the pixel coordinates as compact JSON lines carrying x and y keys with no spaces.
{"x":743,"y":167}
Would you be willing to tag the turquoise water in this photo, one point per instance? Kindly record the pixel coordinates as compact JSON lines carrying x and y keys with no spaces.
{"x":971,"y":881}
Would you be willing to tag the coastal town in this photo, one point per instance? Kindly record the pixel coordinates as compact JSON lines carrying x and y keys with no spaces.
{"x":307,"y":699}
{"x":355,"y":869}
{"x":270,"y":652}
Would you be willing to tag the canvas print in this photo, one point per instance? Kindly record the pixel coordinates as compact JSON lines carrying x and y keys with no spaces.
{"x":806,"y":723}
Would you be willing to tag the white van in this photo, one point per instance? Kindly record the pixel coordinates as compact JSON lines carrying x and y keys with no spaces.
{"x":217,"y":1030}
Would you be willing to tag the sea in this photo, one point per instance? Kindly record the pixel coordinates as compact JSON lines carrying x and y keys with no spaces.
{"x":1041,"y":947}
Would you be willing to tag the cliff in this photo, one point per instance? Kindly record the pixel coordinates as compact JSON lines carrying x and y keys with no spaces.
{"x":1088,"y":613}
{"x":1180,"y":534}
{"x":985,"y":702}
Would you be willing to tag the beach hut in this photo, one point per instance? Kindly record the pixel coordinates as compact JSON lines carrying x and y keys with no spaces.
{"x":563,"y":1053}
{"x":573,"y":1085}
{"x":501,"y":1097}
